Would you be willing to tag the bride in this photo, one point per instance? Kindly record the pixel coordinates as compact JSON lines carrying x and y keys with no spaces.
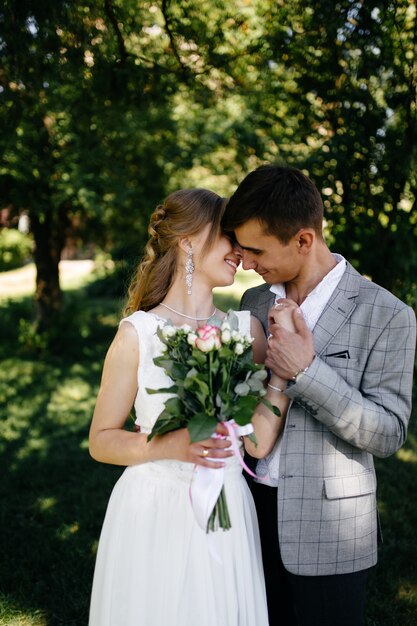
{"x":155,"y":566}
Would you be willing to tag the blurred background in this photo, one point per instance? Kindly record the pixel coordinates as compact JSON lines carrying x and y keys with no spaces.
{"x":105,"y":108}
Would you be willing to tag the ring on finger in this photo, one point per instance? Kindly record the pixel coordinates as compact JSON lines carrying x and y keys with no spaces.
{"x":205,"y":452}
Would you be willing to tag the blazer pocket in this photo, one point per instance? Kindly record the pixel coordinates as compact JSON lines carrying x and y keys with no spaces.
{"x":337,"y":361}
{"x":350,"y":486}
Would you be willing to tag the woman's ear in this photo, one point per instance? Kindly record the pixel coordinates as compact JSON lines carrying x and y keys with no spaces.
{"x":185,"y":244}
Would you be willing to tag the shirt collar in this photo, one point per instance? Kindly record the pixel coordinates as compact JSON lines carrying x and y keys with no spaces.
{"x":335,"y":274}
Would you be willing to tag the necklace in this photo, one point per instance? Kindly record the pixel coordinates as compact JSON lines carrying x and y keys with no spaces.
{"x":190,"y":317}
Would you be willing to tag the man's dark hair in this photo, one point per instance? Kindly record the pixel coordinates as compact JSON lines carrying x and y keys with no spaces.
{"x":282,"y":198}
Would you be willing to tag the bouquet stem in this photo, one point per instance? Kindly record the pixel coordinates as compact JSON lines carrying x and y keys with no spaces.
{"x":219,"y":517}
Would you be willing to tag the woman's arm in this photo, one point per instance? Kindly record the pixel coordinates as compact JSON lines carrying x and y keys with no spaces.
{"x":110,"y":443}
{"x":268,"y":426}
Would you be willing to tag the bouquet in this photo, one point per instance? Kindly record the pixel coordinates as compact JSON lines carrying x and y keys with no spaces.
{"x":214,"y":380}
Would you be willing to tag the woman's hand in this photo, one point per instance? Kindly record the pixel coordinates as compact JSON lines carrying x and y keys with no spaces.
{"x":290,"y":342}
{"x":178,"y":446}
{"x":282,"y":314}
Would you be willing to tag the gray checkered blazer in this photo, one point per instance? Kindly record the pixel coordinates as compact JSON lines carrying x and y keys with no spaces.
{"x":353,"y":402}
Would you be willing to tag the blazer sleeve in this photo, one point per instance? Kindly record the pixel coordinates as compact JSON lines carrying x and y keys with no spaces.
{"x":373,"y":417}
{"x":258,"y":300}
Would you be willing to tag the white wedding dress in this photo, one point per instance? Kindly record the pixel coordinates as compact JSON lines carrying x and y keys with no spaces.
{"x":155,"y":565}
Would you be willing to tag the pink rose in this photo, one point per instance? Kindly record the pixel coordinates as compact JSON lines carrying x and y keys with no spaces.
{"x":208,"y":338}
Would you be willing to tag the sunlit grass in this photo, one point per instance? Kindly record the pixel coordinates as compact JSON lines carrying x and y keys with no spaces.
{"x":21,"y":282}
{"x":76,"y":274}
{"x":12,"y":615}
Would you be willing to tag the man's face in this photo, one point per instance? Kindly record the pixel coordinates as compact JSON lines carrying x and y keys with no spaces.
{"x":274,"y":261}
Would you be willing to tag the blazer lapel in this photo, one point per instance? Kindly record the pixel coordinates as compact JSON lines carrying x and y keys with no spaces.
{"x":338,"y":310}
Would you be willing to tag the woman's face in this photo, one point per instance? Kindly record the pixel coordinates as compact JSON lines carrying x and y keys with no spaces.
{"x":217,"y":265}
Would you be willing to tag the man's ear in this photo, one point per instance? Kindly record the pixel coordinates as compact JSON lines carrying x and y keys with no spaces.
{"x":305,"y":239}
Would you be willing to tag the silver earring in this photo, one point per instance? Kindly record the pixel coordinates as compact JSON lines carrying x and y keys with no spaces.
{"x":189,"y":269}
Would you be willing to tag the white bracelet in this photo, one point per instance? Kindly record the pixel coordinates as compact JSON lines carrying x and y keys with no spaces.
{"x":276,"y":388}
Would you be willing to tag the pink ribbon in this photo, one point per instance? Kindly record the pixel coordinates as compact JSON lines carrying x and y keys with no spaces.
{"x":207,"y":482}
{"x":232,"y":427}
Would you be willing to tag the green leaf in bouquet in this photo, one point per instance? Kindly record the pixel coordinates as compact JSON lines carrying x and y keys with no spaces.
{"x":244,"y":408}
{"x":255,"y":384}
{"x":200,"y":387}
{"x":191,"y":404}
{"x":226,"y":353}
{"x":160,"y":333}
{"x":166,"y":423}
{"x":222,"y":399}
{"x":178,"y":371}
{"x":173,"y":389}
{"x":242,"y":389}
{"x":190,"y":376}
{"x":165,"y":362}
{"x":224,"y":405}
{"x":214,"y":365}
{"x":173,"y":406}
{"x":198,"y":358}
{"x":246,"y":358}
{"x":201,"y":426}
{"x":260,"y":373}
{"x":270,"y":406}
{"x":253,"y":439}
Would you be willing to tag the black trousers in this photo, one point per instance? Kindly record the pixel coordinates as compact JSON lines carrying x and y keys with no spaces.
{"x":304,"y":600}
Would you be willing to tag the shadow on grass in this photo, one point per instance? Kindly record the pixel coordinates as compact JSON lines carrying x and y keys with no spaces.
{"x":54,"y":496}
{"x":392,"y":597}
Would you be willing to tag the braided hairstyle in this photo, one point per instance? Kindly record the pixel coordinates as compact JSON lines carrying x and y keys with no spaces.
{"x":183,"y":213}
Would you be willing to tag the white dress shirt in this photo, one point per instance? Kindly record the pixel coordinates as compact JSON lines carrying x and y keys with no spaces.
{"x":312,"y":307}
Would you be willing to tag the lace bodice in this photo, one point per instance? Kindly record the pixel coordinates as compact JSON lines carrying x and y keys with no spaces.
{"x":149,"y":406}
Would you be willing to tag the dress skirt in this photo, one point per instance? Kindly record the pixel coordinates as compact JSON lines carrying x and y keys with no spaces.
{"x":156,"y":567}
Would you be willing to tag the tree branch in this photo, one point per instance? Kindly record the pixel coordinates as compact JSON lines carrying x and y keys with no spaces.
{"x":108,"y":7}
{"x":164,"y":9}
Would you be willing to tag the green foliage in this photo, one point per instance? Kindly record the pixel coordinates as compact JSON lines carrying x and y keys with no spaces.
{"x":352,"y":95}
{"x":15,"y":248}
{"x":107,"y":107}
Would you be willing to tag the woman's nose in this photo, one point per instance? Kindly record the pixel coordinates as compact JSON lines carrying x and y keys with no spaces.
{"x":238,"y":251}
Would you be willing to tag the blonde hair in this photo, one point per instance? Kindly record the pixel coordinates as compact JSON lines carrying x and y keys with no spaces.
{"x":185,"y":212}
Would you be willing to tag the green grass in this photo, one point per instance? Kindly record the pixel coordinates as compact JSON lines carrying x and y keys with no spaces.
{"x":54,"y":496}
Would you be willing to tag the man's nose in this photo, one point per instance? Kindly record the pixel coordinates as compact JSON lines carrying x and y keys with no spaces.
{"x":248,"y":263}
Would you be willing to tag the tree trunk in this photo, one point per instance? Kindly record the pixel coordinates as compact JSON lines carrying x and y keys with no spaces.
{"x":49,"y":236}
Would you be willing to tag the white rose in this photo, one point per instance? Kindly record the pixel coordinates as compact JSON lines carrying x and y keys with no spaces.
{"x":191,"y":339}
{"x":239,"y":348}
{"x":168,"y":331}
{"x":186,"y":328}
{"x":205,"y":345}
{"x":226,"y":336}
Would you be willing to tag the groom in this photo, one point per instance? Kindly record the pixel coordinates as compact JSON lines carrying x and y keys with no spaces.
{"x":349,"y":367}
